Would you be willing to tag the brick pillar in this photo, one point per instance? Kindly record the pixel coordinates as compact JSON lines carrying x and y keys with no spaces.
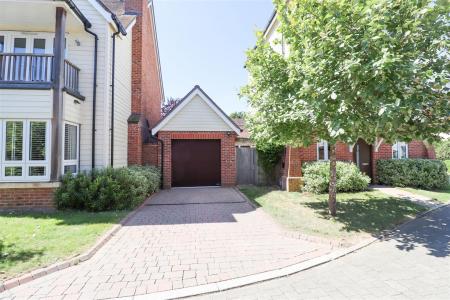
{"x":134,"y":140}
{"x":291,"y":179}
{"x":228,"y":160}
{"x":167,"y":159}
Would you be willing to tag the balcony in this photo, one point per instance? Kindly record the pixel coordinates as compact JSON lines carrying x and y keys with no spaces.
{"x":35,"y":71}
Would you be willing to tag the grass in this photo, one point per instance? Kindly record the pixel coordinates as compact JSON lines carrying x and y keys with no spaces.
{"x":359,"y":215}
{"x":442,"y":195}
{"x":32,"y":240}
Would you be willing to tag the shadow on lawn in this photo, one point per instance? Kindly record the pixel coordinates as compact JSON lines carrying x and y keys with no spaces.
{"x":371,"y":215}
{"x":10,"y":255}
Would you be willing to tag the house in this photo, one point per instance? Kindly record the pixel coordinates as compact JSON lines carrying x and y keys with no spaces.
{"x":71,"y":90}
{"x":243,"y":139}
{"x":198,"y":142}
{"x":362,"y":154}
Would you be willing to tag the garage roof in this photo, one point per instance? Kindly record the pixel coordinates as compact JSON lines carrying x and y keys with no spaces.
{"x":196,"y":112}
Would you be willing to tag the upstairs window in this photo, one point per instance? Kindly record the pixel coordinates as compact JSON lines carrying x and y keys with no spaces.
{"x":400,"y":150}
{"x":322,"y":150}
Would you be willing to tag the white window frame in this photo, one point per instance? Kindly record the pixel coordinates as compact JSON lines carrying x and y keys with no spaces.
{"x":325,"y":150}
{"x":25,"y":163}
{"x":70,"y":162}
{"x":398,"y":146}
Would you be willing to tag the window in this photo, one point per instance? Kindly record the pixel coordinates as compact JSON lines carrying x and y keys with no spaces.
{"x":24,"y":145}
{"x":71,"y":139}
{"x":2,"y":43}
{"x":400,"y":150}
{"x":322,"y":150}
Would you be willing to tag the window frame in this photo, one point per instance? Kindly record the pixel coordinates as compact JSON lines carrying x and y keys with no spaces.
{"x":398,"y":145}
{"x":325,"y":150}
{"x":26,"y":162}
{"x":70,"y":162}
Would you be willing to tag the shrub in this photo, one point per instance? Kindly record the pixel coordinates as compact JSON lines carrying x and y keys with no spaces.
{"x":316,"y":177}
{"x":443,"y":149}
{"x":107,"y":189}
{"x":420,"y":173}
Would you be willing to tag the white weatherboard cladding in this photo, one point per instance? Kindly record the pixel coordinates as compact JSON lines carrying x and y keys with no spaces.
{"x":26,"y":104}
{"x":72,"y":109}
{"x":81,"y":53}
{"x":122,"y":102}
{"x":197,"y":115}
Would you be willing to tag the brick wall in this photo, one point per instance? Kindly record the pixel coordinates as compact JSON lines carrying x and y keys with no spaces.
{"x":295,"y":157}
{"x":146,"y":82}
{"x":134,"y":144}
{"x":16,"y":198}
{"x":228,"y":153}
{"x":151,"y":154}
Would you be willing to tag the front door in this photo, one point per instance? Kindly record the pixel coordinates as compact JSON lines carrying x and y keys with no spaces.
{"x":362,"y":156}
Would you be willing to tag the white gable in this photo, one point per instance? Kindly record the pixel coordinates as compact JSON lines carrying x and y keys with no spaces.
{"x":196,"y":112}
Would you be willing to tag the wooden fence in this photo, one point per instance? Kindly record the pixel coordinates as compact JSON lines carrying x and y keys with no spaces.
{"x":249,"y":170}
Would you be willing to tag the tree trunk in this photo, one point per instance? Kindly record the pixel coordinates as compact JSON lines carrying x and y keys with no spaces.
{"x":332,"y":186}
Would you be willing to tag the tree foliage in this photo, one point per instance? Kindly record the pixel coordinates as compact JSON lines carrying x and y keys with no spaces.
{"x":443,"y":149}
{"x":168,"y":105}
{"x":238,"y":115}
{"x":352,"y":69}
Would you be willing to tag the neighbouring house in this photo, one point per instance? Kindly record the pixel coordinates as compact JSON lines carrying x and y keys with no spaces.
{"x":79,"y":81}
{"x":362,"y":154}
{"x":243,"y":139}
{"x":198,"y":142}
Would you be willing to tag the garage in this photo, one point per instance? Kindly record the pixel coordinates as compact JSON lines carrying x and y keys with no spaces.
{"x":198,"y":143}
{"x":196,"y":163}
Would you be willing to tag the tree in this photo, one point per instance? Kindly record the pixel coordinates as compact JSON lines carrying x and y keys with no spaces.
{"x":374,"y":69}
{"x":238,"y":115}
{"x":168,"y":105}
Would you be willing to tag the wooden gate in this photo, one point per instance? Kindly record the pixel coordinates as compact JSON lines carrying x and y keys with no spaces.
{"x":250,"y":172}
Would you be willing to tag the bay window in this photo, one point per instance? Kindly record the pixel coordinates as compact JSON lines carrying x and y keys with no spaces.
{"x":400,"y":150}
{"x":322,"y":150}
{"x":25,"y":149}
{"x":70,"y":154}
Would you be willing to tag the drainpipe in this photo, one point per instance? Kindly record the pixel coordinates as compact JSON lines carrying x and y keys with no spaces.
{"x":94,"y":92}
{"x":113,"y":72}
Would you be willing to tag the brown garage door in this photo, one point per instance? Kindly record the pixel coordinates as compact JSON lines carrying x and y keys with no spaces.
{"x":195,"y":162}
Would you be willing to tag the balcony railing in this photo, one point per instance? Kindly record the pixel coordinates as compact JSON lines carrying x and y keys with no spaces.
{"x":20,"y":70}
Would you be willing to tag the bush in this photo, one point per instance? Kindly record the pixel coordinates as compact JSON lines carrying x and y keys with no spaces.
{"x":421,"y":173}
{"x":442,"y":149}
{"x":107,"y":189}
{"x":316,"y":177}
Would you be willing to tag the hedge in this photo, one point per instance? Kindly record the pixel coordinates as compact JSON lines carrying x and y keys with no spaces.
{"x":316,"y":177}
{"x":107,"y":189}
{"x":421,"y":173}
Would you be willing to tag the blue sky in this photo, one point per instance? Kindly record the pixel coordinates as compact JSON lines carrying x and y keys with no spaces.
{"x":204,"y":42}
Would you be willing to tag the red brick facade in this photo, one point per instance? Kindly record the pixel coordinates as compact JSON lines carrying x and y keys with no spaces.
{"x":228,"y":153}
{"x":295,"y":157}
{"x":147,"y":92}
{"x":16,"y":198}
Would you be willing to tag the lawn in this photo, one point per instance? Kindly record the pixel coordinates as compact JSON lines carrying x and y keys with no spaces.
{"x":32,"y":240}
{"x":442,"y":195}
{"x":359,"y":215}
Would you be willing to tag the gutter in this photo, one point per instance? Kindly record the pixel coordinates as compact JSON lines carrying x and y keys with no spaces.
{"x":78,"y":13}
{"x":162,"y":158}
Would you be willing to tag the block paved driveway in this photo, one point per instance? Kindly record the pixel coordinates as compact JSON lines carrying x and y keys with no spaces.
{"x":181,"y":238}
{"x":413,"y":264}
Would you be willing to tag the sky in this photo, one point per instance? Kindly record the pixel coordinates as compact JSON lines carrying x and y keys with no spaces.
{"x":204,"y":42}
